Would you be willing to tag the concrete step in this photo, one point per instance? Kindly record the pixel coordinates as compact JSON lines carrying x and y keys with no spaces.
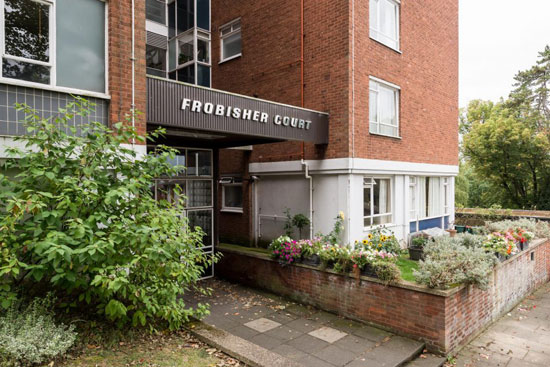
{"x":427,"y":360}
{"x":395,"y":352}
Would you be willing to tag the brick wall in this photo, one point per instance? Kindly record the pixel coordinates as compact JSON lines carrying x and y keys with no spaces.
{"x":427,"y":72}
{"x":445,"y":320}
{"x":120,"y":63}
{"x":426,"y":69}
{"x":270,"y":65}
{"x":236,"y":227}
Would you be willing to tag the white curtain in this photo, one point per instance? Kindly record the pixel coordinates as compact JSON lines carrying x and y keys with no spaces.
{"x":434,"y":200}
{"x":383,"y":207}
{"x":422,"y":199}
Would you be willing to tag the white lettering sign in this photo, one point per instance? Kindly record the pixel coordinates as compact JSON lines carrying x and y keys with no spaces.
{"x":242,"y":114}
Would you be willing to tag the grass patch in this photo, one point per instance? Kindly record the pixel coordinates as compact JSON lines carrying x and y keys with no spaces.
{"x":164,"y":350}
{"x":406,"y":265}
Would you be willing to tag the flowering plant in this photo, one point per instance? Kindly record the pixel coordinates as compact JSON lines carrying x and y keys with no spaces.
{"x":503,"y":244}
{"x":361,"y":257}
{"x":285,"y":249}
{"x":380,"y":239}
{"x":310,"y":247}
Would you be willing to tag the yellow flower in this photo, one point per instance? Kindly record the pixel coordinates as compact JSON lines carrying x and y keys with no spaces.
{"x":370,"y":236}
{"x":341,"y":214}
{"x":365,"y":242}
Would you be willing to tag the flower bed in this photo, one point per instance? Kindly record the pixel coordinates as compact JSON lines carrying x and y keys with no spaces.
{"x":444,"y":319}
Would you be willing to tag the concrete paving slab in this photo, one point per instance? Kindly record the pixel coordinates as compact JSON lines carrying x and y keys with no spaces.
{"x":308,"y":344}
{"x":427,"y":360}
{"x":262,"y":325}
{"x":312,"y":361}
{"x":355,"y":344}
{"x":289,"y":351}
{"x":328,"y":334}
{"x":336,"y":356}
{"x":266,"y":341}
{"x":284,"y":333}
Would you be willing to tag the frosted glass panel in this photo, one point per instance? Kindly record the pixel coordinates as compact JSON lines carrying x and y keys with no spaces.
{"x":81,"y":44}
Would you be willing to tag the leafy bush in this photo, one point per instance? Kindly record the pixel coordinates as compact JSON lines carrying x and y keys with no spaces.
{"x":80,"y":219}
{"x":29,"y":335}
{"x":419,"y":242}
{"x":387,"y":271}
{"x":448,"y":262}
{"x":335,"y":236}
{"x":470,"y":240}
{"x":382,"y":239}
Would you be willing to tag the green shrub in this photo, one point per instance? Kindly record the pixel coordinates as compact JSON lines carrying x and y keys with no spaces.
{"x":386,"y":271}
{"x":29,"y":335}
{"x":449,"y":263}
{"x":80,"y":219}
{"x":470,"y":240}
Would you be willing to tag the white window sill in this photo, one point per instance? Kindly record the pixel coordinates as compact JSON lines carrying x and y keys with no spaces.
{"x":231,"y":58}
{"x":372,"y":228}
{"x":387,"y":136}
{"x":385,"y":44}
{"x":232,"y":210}
{"x":23,"y":83}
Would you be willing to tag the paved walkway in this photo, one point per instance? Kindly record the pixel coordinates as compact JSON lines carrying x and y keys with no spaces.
{"x":303,"y":334}
{"x":519,"y":339}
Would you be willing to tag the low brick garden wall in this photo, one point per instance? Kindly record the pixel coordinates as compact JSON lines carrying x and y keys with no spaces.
{"x":444,"y":319}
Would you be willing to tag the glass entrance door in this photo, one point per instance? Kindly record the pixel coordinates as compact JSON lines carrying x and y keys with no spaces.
{"x":196,"y":186}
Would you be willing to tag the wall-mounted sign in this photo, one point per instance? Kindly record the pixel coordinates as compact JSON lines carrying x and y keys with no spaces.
{"x":186,"y":106}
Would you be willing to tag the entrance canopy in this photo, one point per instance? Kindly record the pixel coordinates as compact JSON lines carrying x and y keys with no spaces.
{"x":202,"y":116}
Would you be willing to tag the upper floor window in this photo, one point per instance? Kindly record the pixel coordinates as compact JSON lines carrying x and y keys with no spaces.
{"x":155,"y":10}
{"x":230,"y":35}
{"x":383,"y":108}
{"x":377,"y":201}
{"x":232,"y":194}
{"x":384,"y":22}
{"x":50,"y":42}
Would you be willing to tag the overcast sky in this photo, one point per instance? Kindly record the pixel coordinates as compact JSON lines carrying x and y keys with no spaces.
{"x":497,"y":39}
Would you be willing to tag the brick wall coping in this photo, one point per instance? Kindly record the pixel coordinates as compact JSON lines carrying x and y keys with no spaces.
{"x":245,"y":251}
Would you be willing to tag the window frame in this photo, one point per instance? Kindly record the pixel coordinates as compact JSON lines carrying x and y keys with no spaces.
{"x":372,"y":215}
{"x":231,"y":209}
{"x":225,"y":36}
{"x":53,"y":54}
{"x":397,"y":96}
{"x":374,"y":33}
{"x":444,"y":181}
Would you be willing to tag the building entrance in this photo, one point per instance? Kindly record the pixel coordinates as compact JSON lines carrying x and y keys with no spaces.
{"x":196,"y":185}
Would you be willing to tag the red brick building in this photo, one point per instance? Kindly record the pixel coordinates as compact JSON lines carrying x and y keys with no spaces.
{"x":328,"y":106}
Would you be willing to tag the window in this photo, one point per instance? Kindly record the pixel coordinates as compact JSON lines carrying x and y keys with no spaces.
{"x":155,"y":59}
{"x":446,"y":193}
{"x":27,"y":41}
{"x":155,"y":10}
{"x":412,"y":198}
{"x":230,"y":35}
{"x":51,"y":43}
{"x":383,"y":108}
{"x":189,"y":41}
{"x":232,"y":194}
{"x":430,"y":197}
{"x":377,"y":195}
{"x":384,"y":22}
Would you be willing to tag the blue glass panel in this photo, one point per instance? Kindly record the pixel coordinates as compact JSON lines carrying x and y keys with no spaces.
{"x":429,"y":223}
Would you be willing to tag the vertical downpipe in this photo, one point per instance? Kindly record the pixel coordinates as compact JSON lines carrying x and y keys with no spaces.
{"x":133,"y":106}
{"x":304,"y":163}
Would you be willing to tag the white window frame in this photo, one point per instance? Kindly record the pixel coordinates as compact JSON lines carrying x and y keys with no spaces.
{"x":53,"y":54}
{"x":231,"y":209}
{"x":414,"y":213}
{"x":233,"y":30}
{"x":374,"y":86}
{"x":372,"y":215}
{"x":377,"y":35}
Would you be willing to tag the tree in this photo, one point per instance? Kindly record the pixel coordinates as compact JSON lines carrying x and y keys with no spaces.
{"x":513,"y":156}
{"x":79,"y":219}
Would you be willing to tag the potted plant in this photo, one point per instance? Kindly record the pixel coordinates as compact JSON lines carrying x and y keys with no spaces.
{"x":310,"y":251}
{"x":285,"y":250}
{"x":416,"y":248}
{"x":361,"y":260}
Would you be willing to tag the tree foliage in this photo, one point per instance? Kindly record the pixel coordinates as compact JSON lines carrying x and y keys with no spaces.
{"x":506,"y":145}
{"x":79,"y":219}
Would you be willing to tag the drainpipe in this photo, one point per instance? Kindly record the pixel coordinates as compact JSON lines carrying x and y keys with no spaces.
{"x":308,"y":177}
{"x":304,"y":163}
{"x":133,"y":106}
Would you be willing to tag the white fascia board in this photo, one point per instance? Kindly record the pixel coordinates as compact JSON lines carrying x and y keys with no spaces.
{"x":355,"y":166}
